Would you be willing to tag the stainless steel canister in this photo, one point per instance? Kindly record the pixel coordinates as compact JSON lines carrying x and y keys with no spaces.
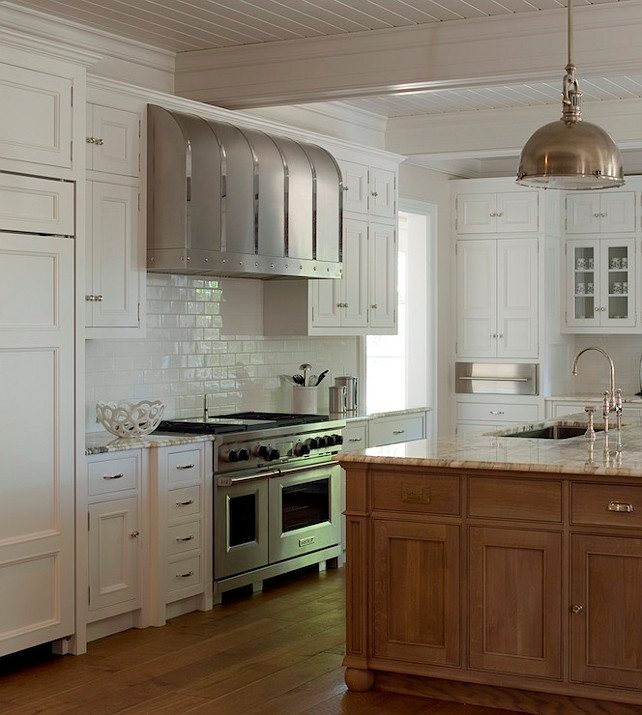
{"x":337,"y":399}
{"x":352,"y":391}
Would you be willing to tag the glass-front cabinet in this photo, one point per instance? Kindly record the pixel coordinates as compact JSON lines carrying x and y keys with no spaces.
{"x":601,"y":284}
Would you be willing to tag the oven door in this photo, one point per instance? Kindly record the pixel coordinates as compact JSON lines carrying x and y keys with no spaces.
{"x":305,"y":510}
{"x":240,"y":524}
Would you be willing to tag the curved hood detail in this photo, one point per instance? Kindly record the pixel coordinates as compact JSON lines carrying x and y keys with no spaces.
{"x":229,"y":201}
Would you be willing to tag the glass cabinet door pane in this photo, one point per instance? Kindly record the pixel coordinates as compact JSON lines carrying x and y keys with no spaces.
{"x":618,"y":282}
{"x":584,"y":282}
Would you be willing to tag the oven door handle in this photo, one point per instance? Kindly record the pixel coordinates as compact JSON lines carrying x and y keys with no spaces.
{"x":227,"y":481}
{"x":324,"y":464}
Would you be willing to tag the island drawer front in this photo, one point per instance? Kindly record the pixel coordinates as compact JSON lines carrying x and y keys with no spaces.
{"x":606,"y":505}
{"x":184,"y":465}
{"x":497,"y":412}
{"x":419,"y":493}
{"x":515,"y":499}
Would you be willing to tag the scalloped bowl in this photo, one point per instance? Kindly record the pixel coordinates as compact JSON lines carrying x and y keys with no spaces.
{"x":130,"y":419}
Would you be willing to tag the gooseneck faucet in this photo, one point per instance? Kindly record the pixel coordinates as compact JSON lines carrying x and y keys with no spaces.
{"x":612,"y":398}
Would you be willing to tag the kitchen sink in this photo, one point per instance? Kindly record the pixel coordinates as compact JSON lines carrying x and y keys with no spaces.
{"x":552,"y":432}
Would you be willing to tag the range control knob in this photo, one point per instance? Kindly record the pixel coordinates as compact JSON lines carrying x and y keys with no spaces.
{"x":322,"y":441}
{"x":261,"y":451}
{"x":338,"y":438}
{"x":331,"y":440}
{"x":273,"y":454}
{"x":231,"y":455}
{"x":243,"y":455}
{"x":301,"y":449}
{"x":312,"y":443}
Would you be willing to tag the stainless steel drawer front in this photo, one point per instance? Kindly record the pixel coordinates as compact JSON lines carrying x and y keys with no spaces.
{"x":497,"y":378}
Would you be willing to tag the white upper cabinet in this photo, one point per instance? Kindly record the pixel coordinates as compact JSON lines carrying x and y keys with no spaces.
{"x":382,"y":275}
{"x":369,"y":189}
{"x":113,"y":140}
{"x":503,"y":212}
{"x":600,"y":212}
{"x":497,"y":298}
{"x":36,"y":117}
{"x":114,"y":257}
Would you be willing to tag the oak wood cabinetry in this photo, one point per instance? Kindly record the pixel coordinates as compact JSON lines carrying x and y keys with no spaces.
{"x":463,"y":579}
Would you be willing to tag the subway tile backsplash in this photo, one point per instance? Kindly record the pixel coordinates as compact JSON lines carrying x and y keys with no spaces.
{"x":204,"y":336}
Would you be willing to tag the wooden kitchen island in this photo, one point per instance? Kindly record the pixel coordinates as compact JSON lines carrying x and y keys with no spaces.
{"x":499,"y":571}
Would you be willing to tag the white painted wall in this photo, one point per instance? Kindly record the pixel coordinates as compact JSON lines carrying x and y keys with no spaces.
{"x":205,"y":336}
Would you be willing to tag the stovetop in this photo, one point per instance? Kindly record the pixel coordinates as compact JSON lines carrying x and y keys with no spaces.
{"x":237,"y":422}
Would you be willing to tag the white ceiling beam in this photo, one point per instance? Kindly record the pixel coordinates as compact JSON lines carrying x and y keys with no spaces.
{"x":479,"y":52}
{"x":503,"y":132}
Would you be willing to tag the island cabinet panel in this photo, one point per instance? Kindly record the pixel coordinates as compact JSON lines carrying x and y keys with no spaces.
{"x":606,"y":620}
{"x":416,"y":592}
{"x":515,"y":499}
{"x":515,"y":601}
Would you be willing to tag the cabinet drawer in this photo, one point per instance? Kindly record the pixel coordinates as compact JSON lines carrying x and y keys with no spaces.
{"x":606,"y":505}
{"x":113,"y":475}
{"x":423,"y":493}
{"x":184,"y":573}
{"x":391,"y":430}
{"x":497,"y":412}
{"x":184,"y":466}
{"x":33,"y":205}
{"x":355,"y":437}
{"x":184,"y":537}
{"x":518,"y":499}
{"x":183,"y":502}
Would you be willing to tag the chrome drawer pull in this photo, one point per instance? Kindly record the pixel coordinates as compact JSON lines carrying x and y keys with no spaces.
{"x":184,"y":466}
{"x":120,"y":475}
{"x":185,"y":503}
{"x":185,"y":575}
{"x":620,"y":506}
{"x":355,"y":439}
{"x":185,"y":538}
{"x":398,"y":431}
{"x":496,"y":412}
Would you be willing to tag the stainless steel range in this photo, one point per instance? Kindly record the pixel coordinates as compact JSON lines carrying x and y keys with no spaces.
{"x":276,"y":495}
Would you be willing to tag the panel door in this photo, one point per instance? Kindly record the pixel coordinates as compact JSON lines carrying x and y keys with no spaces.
{"x":355,"y":273}
{"x":476,"y":298}
{"x":113,"y":554}
{"x":113,"y":137}
{"x":583,"y":282}
{"x":382,"y":275}
{"x":617,"y":212}
{"x":36,"y":398}
{"x":583,"y":212}
{"x":606,"y":623}
{"x":416,"y":602}
{"x":36,"y":117}
{"x":327,"y":300}
{"x":517,"y":298}
{"x":517,"y":211}
{"x":355,"y":186}
{"x":30,"y":204}
{"x":382,"y":188}
{"x":112,"y":298}
{"x":515,"y":601}
{"x":476,"y":213}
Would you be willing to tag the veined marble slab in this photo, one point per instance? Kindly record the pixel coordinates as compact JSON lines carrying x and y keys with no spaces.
{"x":492,"y":450}
{"x":101,"y":442}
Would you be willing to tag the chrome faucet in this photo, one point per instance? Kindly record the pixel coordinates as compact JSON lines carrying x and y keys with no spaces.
{"x":613,"y":398}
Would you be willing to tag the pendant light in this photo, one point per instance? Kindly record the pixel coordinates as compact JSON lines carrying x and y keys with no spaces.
{"x":570,"y":153}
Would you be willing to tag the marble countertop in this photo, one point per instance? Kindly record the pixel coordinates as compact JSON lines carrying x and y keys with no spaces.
{"x":362,"y":415}
{"x":591,"y":397}
{"x":101,"y":442}
{"x":491,"y":450}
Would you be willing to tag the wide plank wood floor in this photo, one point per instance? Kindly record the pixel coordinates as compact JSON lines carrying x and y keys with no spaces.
{"x":278,"y":652}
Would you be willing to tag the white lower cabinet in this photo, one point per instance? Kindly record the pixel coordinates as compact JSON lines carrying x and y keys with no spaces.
{"x":116,"y":538}
{"x":181,"y":575}
{"x":492,"y":415}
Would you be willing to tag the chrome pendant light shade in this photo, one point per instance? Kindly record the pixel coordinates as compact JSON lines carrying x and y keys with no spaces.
{"x":570,"y":153}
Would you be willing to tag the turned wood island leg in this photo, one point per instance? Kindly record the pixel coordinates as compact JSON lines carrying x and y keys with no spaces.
{"x":359,"y":680}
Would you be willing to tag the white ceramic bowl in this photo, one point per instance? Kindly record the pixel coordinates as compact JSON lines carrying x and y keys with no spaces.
{"x":130,"y":419}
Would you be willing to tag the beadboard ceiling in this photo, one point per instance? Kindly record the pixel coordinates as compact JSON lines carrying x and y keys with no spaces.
{"x":186,"y":25}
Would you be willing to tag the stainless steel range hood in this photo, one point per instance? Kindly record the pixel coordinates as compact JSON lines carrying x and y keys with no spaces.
{"x":229,"y":201}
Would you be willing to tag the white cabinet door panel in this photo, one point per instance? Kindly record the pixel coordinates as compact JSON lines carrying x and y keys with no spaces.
{"x":382,"y":193}
{"x":517,"y":212}
{"x":113,"y":140}
{"x":383,"y":285}
{"x":31,"y":204}
{"x":355,"y":285}
{"x":355,"y":186}
{"x":35,"y":122}
{"x":475,"y":213}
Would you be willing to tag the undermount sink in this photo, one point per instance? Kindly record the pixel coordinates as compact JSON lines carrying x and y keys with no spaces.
{"x":552,"y":432}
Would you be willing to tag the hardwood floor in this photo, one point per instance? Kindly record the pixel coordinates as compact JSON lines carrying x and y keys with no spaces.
{"x":276,"y":652}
